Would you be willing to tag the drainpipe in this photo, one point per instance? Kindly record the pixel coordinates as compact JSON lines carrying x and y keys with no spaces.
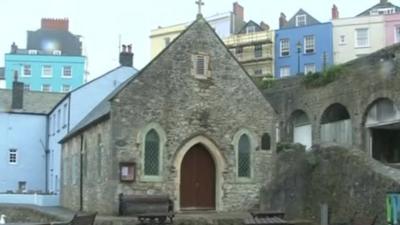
{"x":81,"y":176}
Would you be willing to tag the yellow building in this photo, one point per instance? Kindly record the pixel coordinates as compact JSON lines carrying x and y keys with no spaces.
{"x":224,"y":24}
{"x":253,"y":46}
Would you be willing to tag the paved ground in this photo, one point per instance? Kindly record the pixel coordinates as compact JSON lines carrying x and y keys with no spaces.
{"x":66,"y":214}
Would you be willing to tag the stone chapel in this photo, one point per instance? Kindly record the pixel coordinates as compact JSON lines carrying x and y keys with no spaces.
{"x":191,"y":124}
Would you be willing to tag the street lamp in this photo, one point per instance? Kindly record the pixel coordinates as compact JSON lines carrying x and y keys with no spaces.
{"x":298,"y":46}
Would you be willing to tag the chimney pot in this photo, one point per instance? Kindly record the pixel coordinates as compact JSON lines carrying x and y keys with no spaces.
{"x":282,"y":20}
{"x":55,"y":24}
{"x":238,"y":11}
{"x":335,"y":12}
{"x":126,"y":57}
{"x":17,"y":93}
{"x":14,"y":48}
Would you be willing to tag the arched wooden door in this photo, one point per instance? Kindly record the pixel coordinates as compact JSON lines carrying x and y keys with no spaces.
{"x":197,"y":190}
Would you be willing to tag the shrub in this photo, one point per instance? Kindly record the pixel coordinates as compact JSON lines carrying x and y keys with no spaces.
{"x":318,"y":79}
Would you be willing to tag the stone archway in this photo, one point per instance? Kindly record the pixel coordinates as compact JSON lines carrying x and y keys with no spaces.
{"x":301,"y":128}
{"x":382,"y":119}
{"x":336,"y":126}
{"x":220,"y":166}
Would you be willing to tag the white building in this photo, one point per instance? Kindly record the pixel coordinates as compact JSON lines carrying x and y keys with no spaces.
{"x":224,"y":25}
{"x":357,"y":36}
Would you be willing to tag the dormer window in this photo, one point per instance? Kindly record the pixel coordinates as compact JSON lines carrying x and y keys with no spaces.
{"x":200,"y":66}
{"x":250,"y":29}
{"x":301,"y":20}
{"x":382,"y":11}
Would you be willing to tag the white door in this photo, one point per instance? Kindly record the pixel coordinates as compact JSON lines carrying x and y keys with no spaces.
{"x":302,"y":135}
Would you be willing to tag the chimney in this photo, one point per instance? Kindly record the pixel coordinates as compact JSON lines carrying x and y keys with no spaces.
{"x":238,"y":11}
{"x":126,"y":56}
{"x":17,"y":93}
{"x":264,"y":26}
{"x":14,"y":48}
{"x":384,"y":1}
{"x":282,"y":20}
{"x":55,"y":24}
{"x":335,"y":12}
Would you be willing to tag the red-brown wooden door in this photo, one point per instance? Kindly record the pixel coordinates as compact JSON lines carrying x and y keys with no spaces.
{"x":197,"y":190}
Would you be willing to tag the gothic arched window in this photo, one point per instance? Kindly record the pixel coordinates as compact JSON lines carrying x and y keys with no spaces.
{"x":244,"y":156}
{"x":152,"y":154}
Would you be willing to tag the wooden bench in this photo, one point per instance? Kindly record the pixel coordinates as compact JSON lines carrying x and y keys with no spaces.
{"x":149,"y":209}
{"x":265,"y":214}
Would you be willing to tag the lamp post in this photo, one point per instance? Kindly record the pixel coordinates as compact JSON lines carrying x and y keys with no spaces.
{"x":298,"y":46}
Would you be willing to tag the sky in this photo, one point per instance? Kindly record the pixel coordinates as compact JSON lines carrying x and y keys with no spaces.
{"x":104,"y":23}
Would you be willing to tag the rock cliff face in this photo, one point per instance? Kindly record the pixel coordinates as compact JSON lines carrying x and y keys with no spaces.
{"x":347,"y":180}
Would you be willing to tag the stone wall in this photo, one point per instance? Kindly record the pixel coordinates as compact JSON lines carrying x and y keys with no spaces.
{"x":360,"y":83}
{"x":100,"y":176}
{"x":348,"y":181}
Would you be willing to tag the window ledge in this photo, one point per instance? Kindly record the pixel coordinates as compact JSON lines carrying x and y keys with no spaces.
{"x":244,"y":180}
{"x":46,"y":76}
{"x":151,"y":179}
{"x":360,"y":47}
{"x":67,"y":77}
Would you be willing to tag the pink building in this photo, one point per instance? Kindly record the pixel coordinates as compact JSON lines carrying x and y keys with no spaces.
{"x":392,"y":28}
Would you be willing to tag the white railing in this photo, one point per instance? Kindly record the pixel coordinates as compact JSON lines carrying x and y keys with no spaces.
{"x":32,"y":199}
{"x":248,"y":38}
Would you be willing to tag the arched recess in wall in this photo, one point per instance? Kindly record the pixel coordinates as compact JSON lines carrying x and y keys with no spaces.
{"x":382,"y":119}
{"x":301,"y":128}
{"x":336,"y":125}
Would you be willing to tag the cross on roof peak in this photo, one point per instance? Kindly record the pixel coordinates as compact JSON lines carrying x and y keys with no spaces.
{"x":199,"y":3}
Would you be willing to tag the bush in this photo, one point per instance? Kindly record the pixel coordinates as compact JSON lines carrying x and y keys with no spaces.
{"x":264,"y":82}
{"x":288,"y":146}
{"x":318,"y":79}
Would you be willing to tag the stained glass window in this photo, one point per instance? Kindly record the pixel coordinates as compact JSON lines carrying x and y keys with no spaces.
{"x":266,"y":142}
{"x":152,"y":154}
{"x":244,"y":156}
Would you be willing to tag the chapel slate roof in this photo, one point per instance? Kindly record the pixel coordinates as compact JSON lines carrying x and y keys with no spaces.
{"x":99,"y":112}
{"x":310,"y":20}
{"x":68,"y":43}
{"x":35,"y":102}
{"x":380,"y":5}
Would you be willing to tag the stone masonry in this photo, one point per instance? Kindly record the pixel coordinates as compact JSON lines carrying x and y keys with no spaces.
{"x":185,"y":110}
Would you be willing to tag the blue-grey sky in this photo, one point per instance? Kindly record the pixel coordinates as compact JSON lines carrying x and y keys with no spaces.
{"x":101,"y":22}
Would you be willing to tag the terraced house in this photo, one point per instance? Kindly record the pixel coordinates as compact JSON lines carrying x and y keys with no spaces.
{"x":52,"y":60}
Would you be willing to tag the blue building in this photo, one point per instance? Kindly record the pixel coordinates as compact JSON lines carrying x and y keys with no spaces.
{"x":23,"y":124}
{"x":32,"y":123}
{"x":51,"y":62}
{"x":302,"y":45}
{"x":76,"y":105}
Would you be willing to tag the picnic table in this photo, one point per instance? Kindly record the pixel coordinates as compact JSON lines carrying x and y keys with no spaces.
{"x":156,"y":218}
{"x":265,"y":221}
{"x":265,"y":214}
